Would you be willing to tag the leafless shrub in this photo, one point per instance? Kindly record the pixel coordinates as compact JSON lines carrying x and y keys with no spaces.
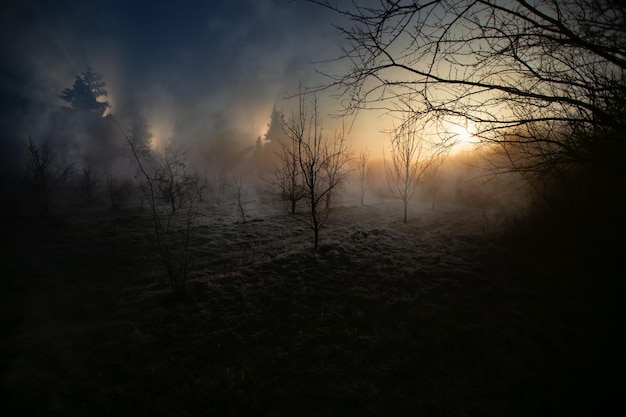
{"x":170,"y":191}
{"x":240,"y":192}
{"x":88,"y":183}
{"x":118,"y":190}
{"x":44,"y":174}
{"x":203,"y":186}
{"x":364,"y":170}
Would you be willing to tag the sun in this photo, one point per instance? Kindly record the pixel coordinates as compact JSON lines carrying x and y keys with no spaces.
{"x":463,"y":134}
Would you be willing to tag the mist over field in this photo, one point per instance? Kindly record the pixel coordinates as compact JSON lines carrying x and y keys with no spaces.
{"x":286,"y":207}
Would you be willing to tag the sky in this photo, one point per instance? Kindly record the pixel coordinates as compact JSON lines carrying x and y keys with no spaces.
{"x":192,"y":68}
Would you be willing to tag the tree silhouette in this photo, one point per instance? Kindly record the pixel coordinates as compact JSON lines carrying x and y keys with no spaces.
{"x":140,"y":134}
{"x":87,"y":93}
{"x":288,"y":183}
{"x":407,"y":163}
{"x":364,"y":170}
{"x":44,"y":172}
{"x":552,"y":71}
{"x":275,"y":133}
{"x":322,"y":161}
{"x":169,"y":188}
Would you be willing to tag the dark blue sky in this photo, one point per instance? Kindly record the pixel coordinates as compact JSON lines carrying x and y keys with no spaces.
{"x":192,"y":67}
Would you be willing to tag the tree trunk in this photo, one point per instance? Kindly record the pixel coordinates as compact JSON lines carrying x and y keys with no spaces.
{"x":362,"y":197}
{"x":316,"y":232}
{"x":406,"y":203}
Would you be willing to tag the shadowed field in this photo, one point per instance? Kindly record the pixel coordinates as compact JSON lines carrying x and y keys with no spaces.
{"x":433,"y":317}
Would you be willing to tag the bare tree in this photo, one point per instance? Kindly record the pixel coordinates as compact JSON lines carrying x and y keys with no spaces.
{"x":322,"y":161}
{"x":364,"y":170}
{"x":555,"y":71}
{"x":240,"y":192}
{"x":287,"y":182}
{"x":117,"y":189}
{"x":407,"y":163}
{"x":44,"y":172}
{"x":89,"y":182}
{"x":203,"y":185}
{"x":222,"y":184}
{"x":434,"y":175}
{"x":173,"y":178}
{"x":170,"y":191}
{"x":336,"y":171}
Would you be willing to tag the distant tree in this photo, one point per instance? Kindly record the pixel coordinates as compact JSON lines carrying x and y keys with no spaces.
{"x":175,"y":183}
{"x":275,"y":133}
{"x":203,"y":185}
{"x":288,"y":182}
{"x":140,"y":134}
{"x":240,"y":192}
{"x":87,"y":92}
{"x":407,"y":163}
{"x":118,"y":190}
{"x":269,"y":146}
{"x":222,"y":183}
{"x":434,"y":174}
{"x":83,"y":128}
{"x":336,"y":169}
{"x":44,"y":172}
{"x":322,"y":160}
{"x":364,"y":170}
{"x":88,"y":182}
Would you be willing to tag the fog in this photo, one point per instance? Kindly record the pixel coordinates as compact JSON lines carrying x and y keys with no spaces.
{"x":202,"y":76}
{"x":198,"y":73}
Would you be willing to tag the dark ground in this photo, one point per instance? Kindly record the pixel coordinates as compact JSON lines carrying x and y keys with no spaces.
{"x":433,"y":318}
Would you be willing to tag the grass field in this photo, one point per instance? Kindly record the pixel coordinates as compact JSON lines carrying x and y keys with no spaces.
{"x":436,"y":317}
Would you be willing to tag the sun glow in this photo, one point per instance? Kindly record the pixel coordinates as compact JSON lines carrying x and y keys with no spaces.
{"x":463,"y":135}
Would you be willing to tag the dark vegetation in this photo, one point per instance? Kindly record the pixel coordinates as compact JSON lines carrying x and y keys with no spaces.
{"x":431,"y":317}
